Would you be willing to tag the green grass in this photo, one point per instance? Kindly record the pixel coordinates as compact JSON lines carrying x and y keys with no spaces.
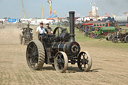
{"x":79,"y":36}
{"x":123,"y":27}
{"x":98,"y":42}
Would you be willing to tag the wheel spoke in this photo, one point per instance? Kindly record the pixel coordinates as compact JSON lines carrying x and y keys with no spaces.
{"x":62,"y":61}
{"x":81,"y":64}
{"x":35,"y":48}
{"x":84,"y":65}
{"x":86,"y":57}
{"x":62,"y":66}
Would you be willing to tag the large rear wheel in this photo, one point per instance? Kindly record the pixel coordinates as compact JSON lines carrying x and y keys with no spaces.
{"x":126,"y":39}
{"x":35,"y":55}
{"x":114,"y":40}
{"x":84,"y":61}
{"x":61,"y":62}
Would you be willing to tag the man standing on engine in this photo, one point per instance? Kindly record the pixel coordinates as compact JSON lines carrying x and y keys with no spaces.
{"x":49,"y":29}
{"x":41,"y":30}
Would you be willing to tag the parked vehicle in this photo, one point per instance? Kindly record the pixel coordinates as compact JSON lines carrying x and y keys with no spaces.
{"x":26,"y":36}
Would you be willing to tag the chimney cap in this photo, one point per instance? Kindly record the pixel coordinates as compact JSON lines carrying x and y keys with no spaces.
{"x":71,"y":12}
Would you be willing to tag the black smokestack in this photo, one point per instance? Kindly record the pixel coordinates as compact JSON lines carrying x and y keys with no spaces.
{"x":71,"y":18}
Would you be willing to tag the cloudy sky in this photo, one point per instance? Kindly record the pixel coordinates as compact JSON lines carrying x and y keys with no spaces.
{"x":33,"y":8}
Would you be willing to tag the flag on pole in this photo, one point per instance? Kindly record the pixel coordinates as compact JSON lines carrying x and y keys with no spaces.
{"x":107,"y":15}
{"x":91,"y":3}
{"x":66,"y":15}
{"x":112,"y":14}
{"x":78,"y":14}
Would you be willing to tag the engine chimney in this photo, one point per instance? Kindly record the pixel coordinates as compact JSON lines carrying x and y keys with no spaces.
{"x":71,"y":19}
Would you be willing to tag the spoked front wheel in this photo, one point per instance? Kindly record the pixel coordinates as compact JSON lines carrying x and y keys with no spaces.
{"x":84,"y":61}
{"x":61,"y":62}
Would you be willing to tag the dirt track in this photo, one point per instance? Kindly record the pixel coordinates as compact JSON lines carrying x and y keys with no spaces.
{"x":110,"y":65}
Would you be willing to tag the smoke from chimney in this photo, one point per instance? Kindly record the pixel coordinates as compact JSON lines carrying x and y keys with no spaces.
{"x":117,"y":7}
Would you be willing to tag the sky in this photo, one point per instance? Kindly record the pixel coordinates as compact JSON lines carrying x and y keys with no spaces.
{"x":33,"y":8}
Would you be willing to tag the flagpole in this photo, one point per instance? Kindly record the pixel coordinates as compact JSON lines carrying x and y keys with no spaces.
{"x":23,"y":9}
{"x":42,"y":10}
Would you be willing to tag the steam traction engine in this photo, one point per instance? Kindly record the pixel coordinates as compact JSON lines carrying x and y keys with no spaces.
{"x":26,"y":35}
{"x":58,"y":49}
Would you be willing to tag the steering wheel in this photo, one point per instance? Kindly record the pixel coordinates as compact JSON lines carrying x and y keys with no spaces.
{"x":57,"y":31}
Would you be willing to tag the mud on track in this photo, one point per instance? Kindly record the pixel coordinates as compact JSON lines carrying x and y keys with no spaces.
{"x":110,"y":65}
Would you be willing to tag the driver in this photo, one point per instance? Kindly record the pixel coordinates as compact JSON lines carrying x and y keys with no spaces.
{"x":49,"y":29}
{"x":41,"y":30}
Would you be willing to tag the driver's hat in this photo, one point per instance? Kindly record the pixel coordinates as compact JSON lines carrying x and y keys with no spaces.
{"x":41,"y":23}
{"x":47,"y":24}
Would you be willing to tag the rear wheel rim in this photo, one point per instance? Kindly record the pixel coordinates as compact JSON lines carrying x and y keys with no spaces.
{"x":32,"y":55}
{"x":126,"y":39}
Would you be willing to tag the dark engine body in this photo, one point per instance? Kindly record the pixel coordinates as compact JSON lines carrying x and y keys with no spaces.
{"x":70,"y":48}
{"x":61,"y":41}
{"x":55,"y":43}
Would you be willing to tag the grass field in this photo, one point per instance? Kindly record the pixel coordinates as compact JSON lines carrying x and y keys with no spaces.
{"x":99,"y":42}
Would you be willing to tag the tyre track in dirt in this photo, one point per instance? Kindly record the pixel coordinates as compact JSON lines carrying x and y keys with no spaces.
{"x":113,"y":65}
